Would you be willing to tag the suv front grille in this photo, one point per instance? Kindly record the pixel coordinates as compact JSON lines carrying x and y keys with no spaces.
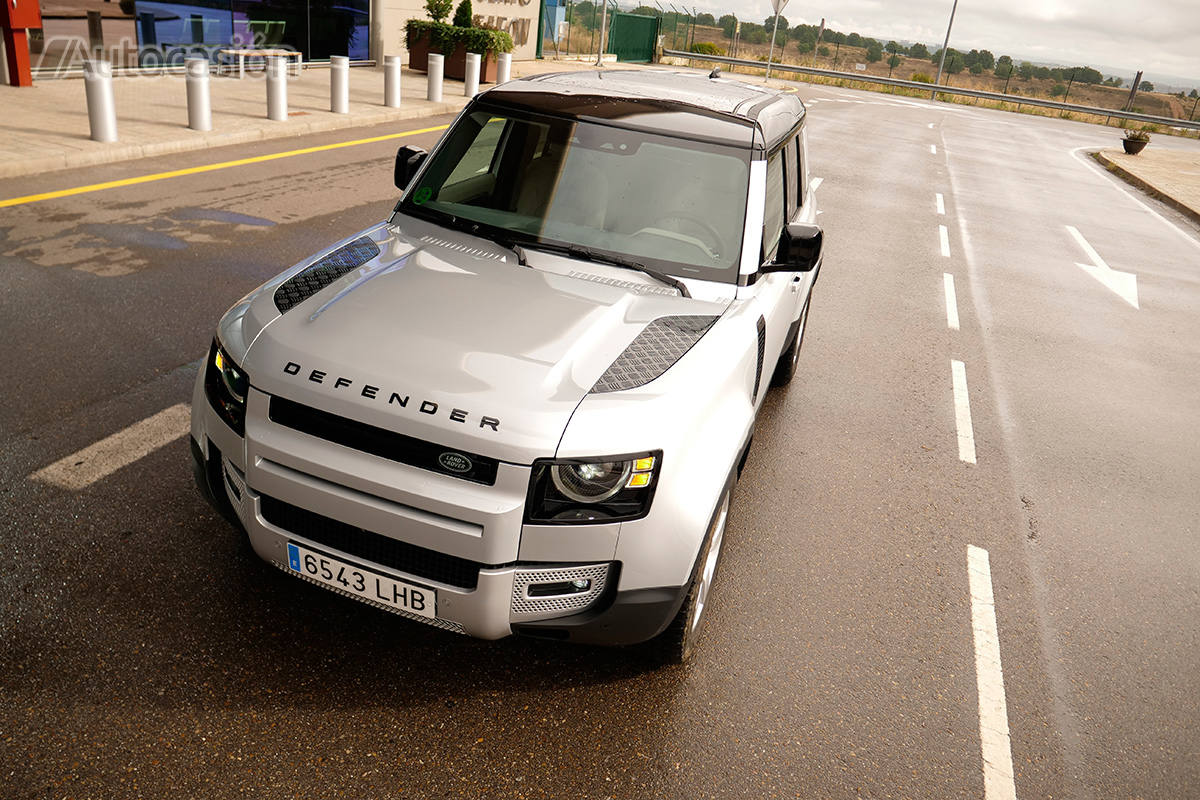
{"x":383,"y":443}
{"x":373,"y":547}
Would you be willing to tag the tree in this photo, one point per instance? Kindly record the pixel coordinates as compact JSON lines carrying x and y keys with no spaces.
{"x":806,"y":45}
{"x":918,"y":50}
{"x":893,"y":62}
{"x":1058,"y":91}
{"x":1025,"y":70}
{"x":954,"y":62}
{"x":1193,"y":94}
{"x":1087,"y":75}
{"x":976,"y":68}
{"x":1146,"y":86}
{"x":462,"y":14}
{"x":986,"y":59}
{"x":823,"y":51}
{"x":854,"y":40}
{"x":769,"y":23}
{"x":874,"y":51}
{"x":707,"y":20}
{"x":728,"y":23}
{"x":438,"y":10}
{"x":893,"y":47}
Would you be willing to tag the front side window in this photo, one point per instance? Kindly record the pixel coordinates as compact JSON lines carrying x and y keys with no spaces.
{"x":675,"y":205}
{"x":773,"y":213}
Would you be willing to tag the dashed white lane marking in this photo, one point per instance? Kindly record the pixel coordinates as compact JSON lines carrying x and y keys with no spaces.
{"x":951,"y":301}
{"x":815,"y":183}
{"x":995,"y":743}
{"x":1123,"y":284}
{"x":944,"y":237}
{"x":941,"y":204}
{"x":962,"y":412}
{"x":933,"y":149}
{"x":108,"y":455}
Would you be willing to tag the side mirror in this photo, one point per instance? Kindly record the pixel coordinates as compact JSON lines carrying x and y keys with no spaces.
{"x":799,"y":249}
{"x":408,"y":161}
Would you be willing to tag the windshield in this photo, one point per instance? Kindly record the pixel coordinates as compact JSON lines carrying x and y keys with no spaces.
{"x":675,"y":205}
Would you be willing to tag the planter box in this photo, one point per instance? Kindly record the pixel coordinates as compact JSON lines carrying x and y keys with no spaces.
{"x":1134,"y":146}
{"x":456,"y":63}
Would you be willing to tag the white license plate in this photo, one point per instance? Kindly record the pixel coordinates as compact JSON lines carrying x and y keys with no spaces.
{"x":361,"y":582}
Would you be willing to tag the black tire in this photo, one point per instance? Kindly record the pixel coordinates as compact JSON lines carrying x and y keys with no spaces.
{"x":785,"y":368}
{"x":676,"y":644}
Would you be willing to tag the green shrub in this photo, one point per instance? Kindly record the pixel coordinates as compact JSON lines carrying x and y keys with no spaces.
{"x":438,"y":10}
{"x":706,"y":49}
{"x":463,"y":14}
{"x":921,"y":77}
{"x":445,"y":38}
{"x":1058,"y":91}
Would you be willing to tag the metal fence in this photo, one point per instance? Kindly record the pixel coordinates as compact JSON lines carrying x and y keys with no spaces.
{"x":925,"y":87}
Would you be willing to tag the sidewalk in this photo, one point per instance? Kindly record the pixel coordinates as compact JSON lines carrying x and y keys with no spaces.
{"x":45,"y":128}
{"x":1172,"y":176}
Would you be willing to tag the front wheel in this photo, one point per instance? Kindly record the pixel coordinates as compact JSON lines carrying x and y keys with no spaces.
{"x":785,"y":368}
{"x":678,"y":641}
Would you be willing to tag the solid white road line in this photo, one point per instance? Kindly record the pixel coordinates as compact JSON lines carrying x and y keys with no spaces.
{"x":951,"y":301}
{"x":941,"y":204}
{"x":944,"y":236}
{"x":1096,"y":170}
{"x":108,"y":455}
{"x":1123,"y":284}
{"x":962,"y":412}
{"x":933,"y":149}
{"x":995,"y":743}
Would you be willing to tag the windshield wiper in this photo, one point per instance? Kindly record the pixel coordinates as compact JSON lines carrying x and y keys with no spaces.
{"x":475,"y":229}
{"x":587,"y":254}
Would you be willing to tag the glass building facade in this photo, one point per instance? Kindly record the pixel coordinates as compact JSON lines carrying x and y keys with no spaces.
{"x":150,"y":33}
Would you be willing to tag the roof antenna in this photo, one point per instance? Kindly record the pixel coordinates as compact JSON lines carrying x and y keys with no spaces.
{"x":716,"y":73}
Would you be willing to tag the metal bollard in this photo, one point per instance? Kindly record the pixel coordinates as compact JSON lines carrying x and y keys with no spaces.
{"x":339,"y":84}
{"x":503,"y":68}
{"x":471,"y":80}
{"x":434,"y":72}
{"x":102,"y":112}
{"x":391,"y":81}
{"x":277,"y":88}
{"x":199,"y":106}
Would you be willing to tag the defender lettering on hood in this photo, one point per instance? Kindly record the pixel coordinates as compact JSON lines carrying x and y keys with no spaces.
{"x":392,"y":398}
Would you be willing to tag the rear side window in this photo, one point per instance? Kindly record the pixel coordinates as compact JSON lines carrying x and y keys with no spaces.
{"x":773,"y":212}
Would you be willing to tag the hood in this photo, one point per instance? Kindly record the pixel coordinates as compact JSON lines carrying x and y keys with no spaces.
{"x":441,"y":338}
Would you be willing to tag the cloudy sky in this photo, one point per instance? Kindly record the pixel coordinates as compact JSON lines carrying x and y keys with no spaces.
{"x":1158,"y":36}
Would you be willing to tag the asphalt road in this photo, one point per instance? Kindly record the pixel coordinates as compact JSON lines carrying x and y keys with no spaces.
{"x":147,"y":653}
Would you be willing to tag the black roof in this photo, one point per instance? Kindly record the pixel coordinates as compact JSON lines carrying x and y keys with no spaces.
{"x":680,"y":103}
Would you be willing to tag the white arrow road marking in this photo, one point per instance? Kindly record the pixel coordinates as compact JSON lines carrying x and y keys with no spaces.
{"x":108,"y":455}
{"x":994,"y":738}
{"x":1124,"y":284}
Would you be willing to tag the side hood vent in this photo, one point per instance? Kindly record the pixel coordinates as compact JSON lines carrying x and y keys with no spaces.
{"x":315,"y":277}
{"x":660,"y":344}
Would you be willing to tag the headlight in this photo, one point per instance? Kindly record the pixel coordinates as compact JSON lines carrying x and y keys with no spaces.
{"x":589,"y":490}
{"x":226,"y":386}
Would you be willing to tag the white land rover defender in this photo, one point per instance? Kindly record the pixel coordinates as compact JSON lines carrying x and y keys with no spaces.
{"x":519,"y":405}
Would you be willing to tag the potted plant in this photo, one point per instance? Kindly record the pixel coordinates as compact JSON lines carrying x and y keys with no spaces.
{"x":454,"y":41}
{"x":1135,"y":141}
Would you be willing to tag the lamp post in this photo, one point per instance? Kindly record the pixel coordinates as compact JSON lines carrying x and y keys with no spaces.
{"x":945,"y":44}
{"x":778,"y":5}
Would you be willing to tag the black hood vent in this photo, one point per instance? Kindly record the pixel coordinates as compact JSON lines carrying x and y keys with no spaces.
{"x":316,"y":276}
{"x":660,"y":344}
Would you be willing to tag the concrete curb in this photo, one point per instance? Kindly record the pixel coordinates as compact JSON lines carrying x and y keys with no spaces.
{"x":1146,"y":186}
{"x":193,"y":140}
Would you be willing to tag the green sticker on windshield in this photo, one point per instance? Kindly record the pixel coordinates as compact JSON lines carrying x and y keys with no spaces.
{"x":423,"y":194}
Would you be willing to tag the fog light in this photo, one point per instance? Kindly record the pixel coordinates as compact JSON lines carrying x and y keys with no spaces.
{"x":581,"y":585}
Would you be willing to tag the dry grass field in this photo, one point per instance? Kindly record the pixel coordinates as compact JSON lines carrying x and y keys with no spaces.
{"x":847,"y":58}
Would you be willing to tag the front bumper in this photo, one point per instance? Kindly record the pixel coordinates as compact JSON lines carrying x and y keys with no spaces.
{"x":489,"y":590}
